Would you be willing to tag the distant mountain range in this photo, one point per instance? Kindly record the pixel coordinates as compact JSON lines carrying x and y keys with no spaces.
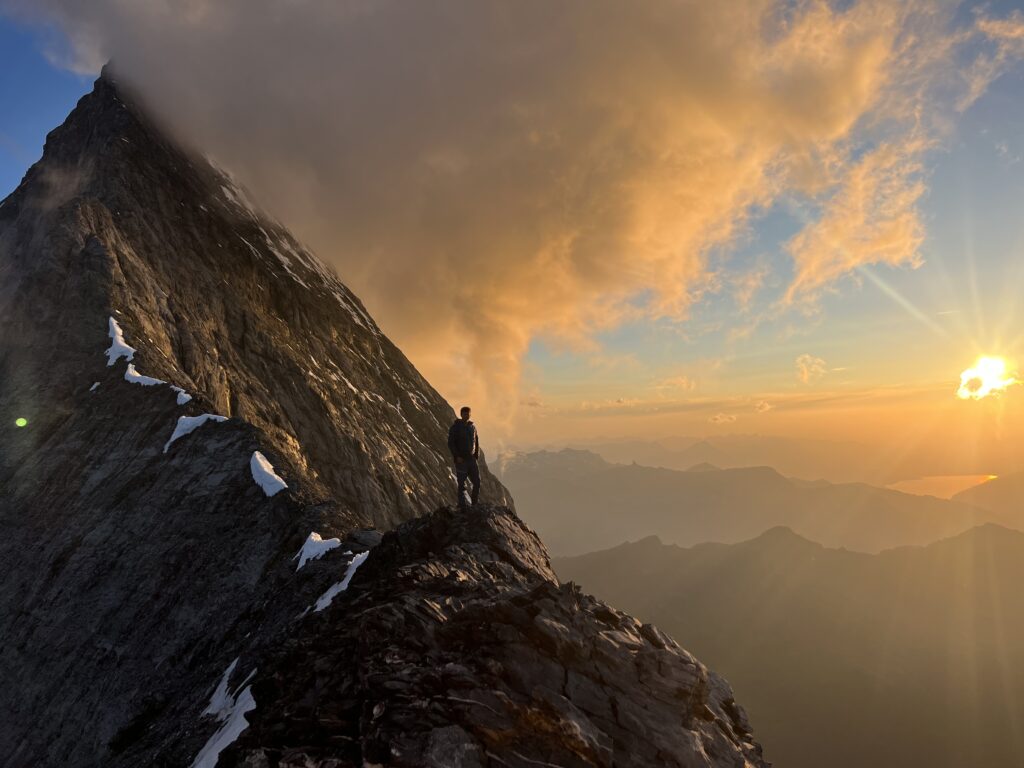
{"x":838,"y":461}
{"x":579,"y":502}
{"x":910,"y":657}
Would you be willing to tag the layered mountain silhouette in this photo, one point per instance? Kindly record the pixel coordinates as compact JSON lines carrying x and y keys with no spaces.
{"x":578,"y":502}
{"x":913,"y":656}
{"x":837,"y":461}
{"x":210,"y":426}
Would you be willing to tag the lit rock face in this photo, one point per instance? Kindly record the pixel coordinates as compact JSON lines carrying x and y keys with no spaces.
{"x":118,"y":223}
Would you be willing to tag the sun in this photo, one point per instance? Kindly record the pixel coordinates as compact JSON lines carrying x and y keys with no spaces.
{"x":988,"y":376}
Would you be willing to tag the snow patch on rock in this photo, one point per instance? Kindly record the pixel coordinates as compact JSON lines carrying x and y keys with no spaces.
{"x":230,"y":709}
{"x":327,"y":597}
{"x":132,"y":376}
{"x":314,"y":548}
{"x":283,"y":259}
{"x":234,"y":193}
{"x":264,"y":475}
{"x":94,"y":387}
{"x":183,"y":396}
{"x":118,"y":346}
{"x":220,"y":701}
{"x":188,"y":424}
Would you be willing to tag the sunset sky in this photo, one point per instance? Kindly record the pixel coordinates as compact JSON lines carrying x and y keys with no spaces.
{"x":601,"y":220}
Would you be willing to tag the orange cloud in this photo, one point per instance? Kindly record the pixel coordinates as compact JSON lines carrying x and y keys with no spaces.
{"x":676,"y":383}
{"x":1008,"y":36}
{"x":485,"y":173}
{"x":872,"y":218}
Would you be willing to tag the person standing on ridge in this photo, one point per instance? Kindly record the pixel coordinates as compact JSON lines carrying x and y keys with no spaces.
{"x":465,"y":449}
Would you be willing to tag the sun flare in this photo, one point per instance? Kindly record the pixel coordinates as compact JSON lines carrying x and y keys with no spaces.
{"x":988,"y":376}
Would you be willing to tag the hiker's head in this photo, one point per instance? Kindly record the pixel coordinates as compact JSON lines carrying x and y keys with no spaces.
{"x":465,"y":412}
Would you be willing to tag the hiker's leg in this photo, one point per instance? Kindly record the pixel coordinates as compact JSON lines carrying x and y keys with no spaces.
{"x":461,"y":474}
{"x":474,"y":475}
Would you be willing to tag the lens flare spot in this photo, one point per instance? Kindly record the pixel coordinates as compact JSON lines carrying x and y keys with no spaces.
{"x":987,"y":377}
{"x":21,"y":422}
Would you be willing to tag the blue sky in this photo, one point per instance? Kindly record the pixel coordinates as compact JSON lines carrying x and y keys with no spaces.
{"x":36,"y":97}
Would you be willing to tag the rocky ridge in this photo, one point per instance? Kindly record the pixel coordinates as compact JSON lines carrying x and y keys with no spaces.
{"x":454,"y":646}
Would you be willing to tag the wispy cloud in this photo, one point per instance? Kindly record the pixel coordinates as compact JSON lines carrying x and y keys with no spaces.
{"x":722,"y":418}
{"x":810,"y":368}
{"x":746,"y":285}
{"x":675,"y":384}
{"x":1008,"y":36}
{"x":872,"y":218}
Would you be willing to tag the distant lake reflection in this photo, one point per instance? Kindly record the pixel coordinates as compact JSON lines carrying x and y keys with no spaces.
{"x":943,"y":486}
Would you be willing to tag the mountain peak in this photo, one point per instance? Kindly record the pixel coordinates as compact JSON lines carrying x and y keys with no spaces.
{"x":121,"y":222}
{"x":199,"y":392}
{"x":88,"y":135}
{"x":984,"y":534}
{"x":703,"y":466}
{"x":782,"y":533}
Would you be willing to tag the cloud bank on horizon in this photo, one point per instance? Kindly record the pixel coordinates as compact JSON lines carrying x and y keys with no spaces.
{"x":487,"y":173}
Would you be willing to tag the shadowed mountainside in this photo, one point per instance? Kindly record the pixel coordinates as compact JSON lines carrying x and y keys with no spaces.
{"x":913,"y":656}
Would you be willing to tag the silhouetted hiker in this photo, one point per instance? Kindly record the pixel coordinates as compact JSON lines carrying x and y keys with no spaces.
{"x":465,"y":448}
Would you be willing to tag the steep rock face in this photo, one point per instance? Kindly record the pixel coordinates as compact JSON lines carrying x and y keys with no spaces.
{"x":454,"y":645}
{"x":128,"y":268}
{"x":116,"y":221}
{"x":200,"y":395}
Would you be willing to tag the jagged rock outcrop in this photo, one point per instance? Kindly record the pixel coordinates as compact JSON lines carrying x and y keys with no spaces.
{"x":454,"y":645}
{"x":201,"y":396}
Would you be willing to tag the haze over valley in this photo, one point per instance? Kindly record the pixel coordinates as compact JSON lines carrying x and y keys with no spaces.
{"x":913,"y":656}
{"x":579,"y":502}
